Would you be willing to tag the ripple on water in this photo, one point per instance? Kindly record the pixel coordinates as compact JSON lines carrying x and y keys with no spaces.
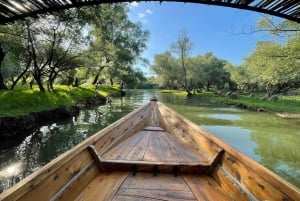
{"x":226,"y":117}
{"x":228,"y":109}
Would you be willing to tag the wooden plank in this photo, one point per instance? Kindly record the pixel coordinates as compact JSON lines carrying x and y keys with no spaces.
{"x":172,"y":121}
{"x":124,"y":148}
{"x":182,"y":150}
{"x":252,"y":176}
{"x":138,"y":152}
{"x":103,"y":187}
{"x":170,"y":152}
{"x":154,"y":151}
{"x":205,"y":188}
{"x":45,"y":189}
{"x":121,"y":133}
{"x":161,"y":187}
{"x":148,"y":166}
{"x":130,"y":198}
{"x":153,"y":128}
{"x":259,"y":185}
{"x":148,"y":181}
{"x":71,"y":161}
{"x":230,"y":185}
{"x":157,"y":194}
{"x":73,"y":189}
{"x":155,"y":115}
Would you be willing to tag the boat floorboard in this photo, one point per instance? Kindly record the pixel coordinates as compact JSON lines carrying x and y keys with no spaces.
{"x":118,"y":186}
{"x":154,"y":145}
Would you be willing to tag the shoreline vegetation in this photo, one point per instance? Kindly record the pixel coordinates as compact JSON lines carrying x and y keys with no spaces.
{"x":23,"y":109}
{"x":22,"y":101}
{"x":285,"y":106}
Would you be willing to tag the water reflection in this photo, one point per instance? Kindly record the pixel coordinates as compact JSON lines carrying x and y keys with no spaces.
{"x":11,"y":170}
{"x":226,"y":116}
{"x":272,"y":141}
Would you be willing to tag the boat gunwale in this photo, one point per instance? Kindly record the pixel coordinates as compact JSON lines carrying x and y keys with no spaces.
{"x":268,"y":175}
{"x":65,"y":157}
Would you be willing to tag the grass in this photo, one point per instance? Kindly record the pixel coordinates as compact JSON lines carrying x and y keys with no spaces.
{"x":288,"y":104}
{"x":176,"y":92}
{"x":24,"y":100}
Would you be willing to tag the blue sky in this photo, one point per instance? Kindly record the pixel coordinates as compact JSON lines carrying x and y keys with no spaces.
{"x":211,"y":28}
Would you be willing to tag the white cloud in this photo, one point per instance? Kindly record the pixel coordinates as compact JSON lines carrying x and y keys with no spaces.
{"x":141,"y":15}
{"x":149,"y":11}
{"x":134,"y":4}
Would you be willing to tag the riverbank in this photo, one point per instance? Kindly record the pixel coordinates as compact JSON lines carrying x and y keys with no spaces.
{"x":285,"y":106}
{"x":23,"y":109}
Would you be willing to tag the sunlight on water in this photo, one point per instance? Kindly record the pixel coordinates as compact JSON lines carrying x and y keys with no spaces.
{"x":270,"y":140}
{"x":11,"y":170}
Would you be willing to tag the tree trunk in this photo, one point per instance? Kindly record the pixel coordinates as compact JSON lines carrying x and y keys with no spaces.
{"x":111,"y":81}
{"x":39,"y":82}
{"x":21,"y":76}
{"x":2,"y":84}
{"x":96,"y":79}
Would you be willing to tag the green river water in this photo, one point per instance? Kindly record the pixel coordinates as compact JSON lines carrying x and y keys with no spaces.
{"x":272,"y":141}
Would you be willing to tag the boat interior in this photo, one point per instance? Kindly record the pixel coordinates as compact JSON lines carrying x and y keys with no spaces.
{"x":152,"y":153}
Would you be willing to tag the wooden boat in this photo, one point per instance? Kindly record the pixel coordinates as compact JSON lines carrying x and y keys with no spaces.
{"x":152,"y":153}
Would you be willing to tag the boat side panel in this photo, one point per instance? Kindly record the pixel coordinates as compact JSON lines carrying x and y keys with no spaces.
{"x":123,"y":131}
{"x":49,"y":179}
{"x":231,"y":185}
{"x":45,"y":189}
{"x":242,"y":171}
{"x":74,"y":187}
{"x":183,"y":129}
{"x":103,"y":187}
{"x":205,"y":187}
{"x":257,"y":181}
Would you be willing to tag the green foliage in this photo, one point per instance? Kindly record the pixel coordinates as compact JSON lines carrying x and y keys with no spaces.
{"x":272,"y":67}
{"x":94,"y":43}
{"x":23,"y":100}
{"x":109,"y":90}
{"x":283,"y":104}
{"x":205,"y":71}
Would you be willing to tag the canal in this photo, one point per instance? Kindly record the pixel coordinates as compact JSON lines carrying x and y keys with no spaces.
{"x":272,"y":141}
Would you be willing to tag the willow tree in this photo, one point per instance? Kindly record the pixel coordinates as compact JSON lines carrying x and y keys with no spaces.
{"x":182,"y":47}
{"x":116,"y":42}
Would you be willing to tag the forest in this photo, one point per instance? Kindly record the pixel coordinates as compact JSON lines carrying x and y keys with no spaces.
{"x":100,"y":45}
{"x":96,"y":45}
{"x":272,"y":67}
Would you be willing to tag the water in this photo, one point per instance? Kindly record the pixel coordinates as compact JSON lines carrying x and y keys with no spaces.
{"x":270,"y":140}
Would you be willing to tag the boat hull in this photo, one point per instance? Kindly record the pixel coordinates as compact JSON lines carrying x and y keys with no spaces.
{"x":153,"y":153}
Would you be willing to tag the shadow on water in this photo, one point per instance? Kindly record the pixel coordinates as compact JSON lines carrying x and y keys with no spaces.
{"x":272,"y":141}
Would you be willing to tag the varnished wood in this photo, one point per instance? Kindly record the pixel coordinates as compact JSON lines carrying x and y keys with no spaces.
{"x":103,"y":187}
{"x":238,"y":171}
{"x":161,"y":187}
{"x":147,"y":143}
{"x":66,"y":165}
{"x":155,"y":146}
{"x":205,"y":188}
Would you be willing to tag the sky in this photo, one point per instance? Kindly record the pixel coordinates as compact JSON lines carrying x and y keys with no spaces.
{"x":226,"y":32}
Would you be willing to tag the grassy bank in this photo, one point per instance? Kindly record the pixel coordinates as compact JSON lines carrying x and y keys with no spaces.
{"x":24,"y":100}
{"x":284,"y":104}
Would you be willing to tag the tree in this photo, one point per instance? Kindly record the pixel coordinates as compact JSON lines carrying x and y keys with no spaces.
{"x":116,"y":42}
{"x":182,"y":47}
{"x":55,"y":43}
{"x":11,"y":53}
{"x":168,"y":71}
